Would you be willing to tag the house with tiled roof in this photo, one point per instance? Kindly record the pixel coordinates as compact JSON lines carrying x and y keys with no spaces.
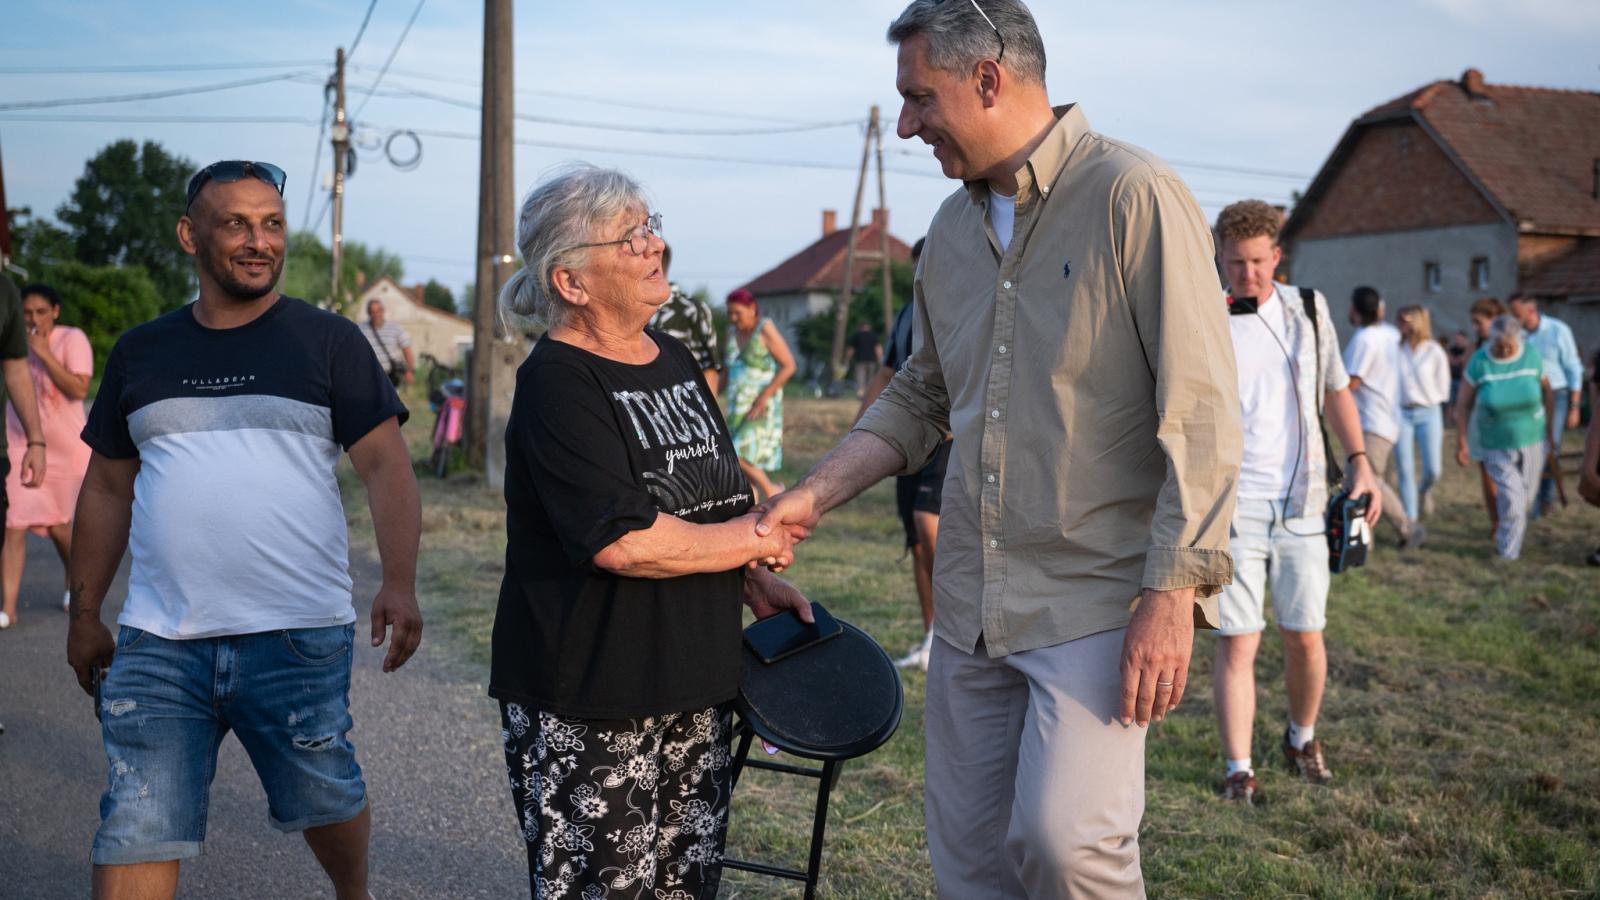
{"x":805,"y":284}
{"x":1459,"y":190}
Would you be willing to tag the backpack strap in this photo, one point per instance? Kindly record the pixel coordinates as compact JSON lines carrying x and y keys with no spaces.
{"x":1308,"y":297}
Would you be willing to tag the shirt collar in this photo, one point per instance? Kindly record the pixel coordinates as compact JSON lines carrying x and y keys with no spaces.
{"x":1044,"y":165}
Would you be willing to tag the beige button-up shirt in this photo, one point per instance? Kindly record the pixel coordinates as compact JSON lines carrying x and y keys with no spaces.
{"x":1087,"y":373}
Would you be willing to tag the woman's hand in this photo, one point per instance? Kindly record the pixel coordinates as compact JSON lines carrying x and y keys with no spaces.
{"x":39,"y":342}
{"x":758,"y":408}
{"x":767,"y":595}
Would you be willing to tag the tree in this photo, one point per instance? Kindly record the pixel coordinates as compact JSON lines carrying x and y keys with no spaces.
{"x":123,"y":212}
{"x":438,"y":296}
{"x":308,"y":268}
{"x":38,"y":243}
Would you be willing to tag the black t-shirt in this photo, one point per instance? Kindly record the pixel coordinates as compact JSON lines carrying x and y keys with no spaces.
{"x":13,"y":335}
{"x":596,"y":449}
{"x":865,"y":345}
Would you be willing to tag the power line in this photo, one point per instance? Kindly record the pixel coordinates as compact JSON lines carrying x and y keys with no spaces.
{"x":363,"y":29}
{"x":316,"y":151}
{"x":661,"y":154}
{"x":176,"y":120}
{"x":147,"y":95}
{"x":160,"y":67}
{"x":639,"y":129}
{"x":385,"y":70}
{"x":602,"y":101}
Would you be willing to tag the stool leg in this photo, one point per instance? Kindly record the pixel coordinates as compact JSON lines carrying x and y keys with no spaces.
{"x":738,"y":758}
{"x":824,"y":788}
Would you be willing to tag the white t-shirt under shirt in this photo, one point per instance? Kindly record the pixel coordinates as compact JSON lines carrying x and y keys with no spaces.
{"x":1373,"y":355}
{"x":237,"y":522}
{"x":1003,"y":216}
{"x":1267,"y":402}
{"x":1424,"y":375}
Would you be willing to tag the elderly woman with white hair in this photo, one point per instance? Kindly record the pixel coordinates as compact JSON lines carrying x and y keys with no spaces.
{"x":1505,"y":382}
{"x":630,"y":547}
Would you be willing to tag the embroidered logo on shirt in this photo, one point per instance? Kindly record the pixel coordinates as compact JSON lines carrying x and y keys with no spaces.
{"x":1066,"y":270}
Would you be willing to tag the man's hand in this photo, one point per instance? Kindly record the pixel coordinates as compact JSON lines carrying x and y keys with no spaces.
{"x":89,"y":646}
{"x":795,"y":509}
{"x":398,"y":608}
{"x":1463,"y":458}
{"x":1155,"y":655}
{"x":1572,"y":413}
{"x":767,"y":595}
{"x":1363,"y":481}
{"x":410,"y":377}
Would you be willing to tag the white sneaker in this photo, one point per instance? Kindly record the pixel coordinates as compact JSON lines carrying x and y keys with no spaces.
{"x":66,"y":601}
{"x":5,"y":621}
{"x":918,"y":657}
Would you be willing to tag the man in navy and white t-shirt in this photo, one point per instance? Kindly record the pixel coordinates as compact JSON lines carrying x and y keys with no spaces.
{"x":215,"y":436}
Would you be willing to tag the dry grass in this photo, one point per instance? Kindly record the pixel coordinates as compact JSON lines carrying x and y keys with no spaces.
{"x":1462,"y":715}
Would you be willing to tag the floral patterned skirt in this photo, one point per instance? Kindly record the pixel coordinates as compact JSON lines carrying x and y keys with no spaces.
{"x":634,"y":808}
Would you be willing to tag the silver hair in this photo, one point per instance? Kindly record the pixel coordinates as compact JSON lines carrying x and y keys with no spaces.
{"x":560,"y":213}
{"x":959,"y":37}
{"x":1506,"y":326}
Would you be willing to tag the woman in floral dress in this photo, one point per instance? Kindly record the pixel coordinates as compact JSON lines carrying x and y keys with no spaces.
{"x":759,"y":364}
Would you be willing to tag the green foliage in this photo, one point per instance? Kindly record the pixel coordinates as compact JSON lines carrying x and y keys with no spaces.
{"x":123,"y":212}
{"x":438,"y":296}
{"x":104,"y":301}
{"x":38,"y":243}
{"x":308,"y":268}
{"x":816,"y":332}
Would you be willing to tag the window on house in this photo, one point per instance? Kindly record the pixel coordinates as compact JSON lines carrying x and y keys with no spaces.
{"x":1480,"y":273}
{"x":1431,"y":280}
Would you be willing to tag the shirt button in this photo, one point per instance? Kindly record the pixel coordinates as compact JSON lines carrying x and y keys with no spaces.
{"x":1002,"y":348}
{"x":994,"y":413}
{"x":1006,"y":285}
{"x":994,"y":543}
{"x":1044,"y":189}
{"x":989,"y":478}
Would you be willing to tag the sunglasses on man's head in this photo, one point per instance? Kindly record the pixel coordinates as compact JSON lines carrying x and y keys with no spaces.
{"x":998,"y":36}
{"x":231,"y":170}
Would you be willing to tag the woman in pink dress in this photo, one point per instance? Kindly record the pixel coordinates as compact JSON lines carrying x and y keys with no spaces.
{"x":61,"y":362}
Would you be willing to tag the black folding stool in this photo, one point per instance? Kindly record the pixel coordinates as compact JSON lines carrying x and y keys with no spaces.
{"x":831,"y":702}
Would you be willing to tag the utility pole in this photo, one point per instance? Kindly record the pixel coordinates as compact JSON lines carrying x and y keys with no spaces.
{"x":883,"y":235}
{"x":493,"y":360}
{"x":341,"y":154}
{"x":841,"y":303}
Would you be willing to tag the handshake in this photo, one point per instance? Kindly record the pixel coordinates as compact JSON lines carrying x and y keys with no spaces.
{"x":778,"y":524}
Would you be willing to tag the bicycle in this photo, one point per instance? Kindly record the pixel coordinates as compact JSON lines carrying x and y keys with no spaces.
{"x":447,"y":395}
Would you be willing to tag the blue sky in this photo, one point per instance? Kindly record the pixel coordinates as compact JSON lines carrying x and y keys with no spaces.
{"x":1263,"y":86}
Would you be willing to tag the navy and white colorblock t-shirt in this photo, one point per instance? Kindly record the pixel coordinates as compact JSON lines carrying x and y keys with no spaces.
{"x":237,"y":522}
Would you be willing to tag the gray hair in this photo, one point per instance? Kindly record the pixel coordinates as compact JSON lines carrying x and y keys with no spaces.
{"x":1506,"y":326}
{"x":959,"y":37}
{"x":558,"y":215}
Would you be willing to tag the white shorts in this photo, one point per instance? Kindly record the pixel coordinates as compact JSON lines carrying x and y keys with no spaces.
{"x":1288,"y":558}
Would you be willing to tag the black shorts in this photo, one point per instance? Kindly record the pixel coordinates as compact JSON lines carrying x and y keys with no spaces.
{"x":922,"y":492}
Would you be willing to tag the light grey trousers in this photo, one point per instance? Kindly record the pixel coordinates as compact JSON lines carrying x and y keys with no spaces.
{"x":1033,"y":787}
{"x":1516,"y":473}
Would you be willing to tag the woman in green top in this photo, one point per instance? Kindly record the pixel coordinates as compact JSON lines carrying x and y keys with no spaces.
{"x":759,"y":362}
{"x":1505,"y":382}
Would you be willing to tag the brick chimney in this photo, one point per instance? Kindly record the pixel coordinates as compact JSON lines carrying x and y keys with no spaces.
{"x":1472,"y":83}
{"x":830,"y":222}
{"x":880,"y":218}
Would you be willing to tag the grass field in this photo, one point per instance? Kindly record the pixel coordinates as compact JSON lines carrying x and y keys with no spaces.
{"x":1462,"y":716}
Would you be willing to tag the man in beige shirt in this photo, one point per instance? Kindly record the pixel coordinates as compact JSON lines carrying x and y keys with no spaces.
{"x":1070,"y":335}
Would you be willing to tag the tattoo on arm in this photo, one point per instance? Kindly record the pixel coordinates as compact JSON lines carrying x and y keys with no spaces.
{"x":76,"y":608}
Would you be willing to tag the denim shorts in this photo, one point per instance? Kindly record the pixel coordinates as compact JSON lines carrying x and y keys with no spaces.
{"x":166,"y":706}
{"x":1286,"y":558}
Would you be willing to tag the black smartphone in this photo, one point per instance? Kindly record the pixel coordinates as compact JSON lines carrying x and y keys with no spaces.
{"x":784,"y":634}
{"x":97,"y":678}
{"x":1242,"y":306}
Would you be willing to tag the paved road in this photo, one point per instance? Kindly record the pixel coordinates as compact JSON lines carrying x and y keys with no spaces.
{"x":427,"y":738}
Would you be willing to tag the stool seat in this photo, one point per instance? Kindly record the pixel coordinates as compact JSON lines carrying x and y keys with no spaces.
{"x":837,"y":700}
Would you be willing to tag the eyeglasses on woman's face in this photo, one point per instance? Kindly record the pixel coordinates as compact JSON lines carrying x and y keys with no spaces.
{"x":638,"y":239}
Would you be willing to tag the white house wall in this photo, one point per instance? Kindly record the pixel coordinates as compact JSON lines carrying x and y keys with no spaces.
{"x":1393,"y":262}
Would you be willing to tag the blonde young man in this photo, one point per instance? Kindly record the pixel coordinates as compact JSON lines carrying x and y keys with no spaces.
{"x":1289,"y":368}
